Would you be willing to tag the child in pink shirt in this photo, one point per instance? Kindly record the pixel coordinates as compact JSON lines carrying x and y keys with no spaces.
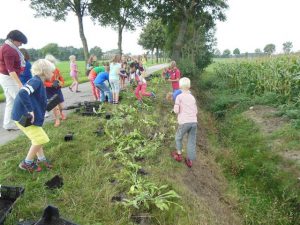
{"x":74,"y":73}
{"x":186,"y":109}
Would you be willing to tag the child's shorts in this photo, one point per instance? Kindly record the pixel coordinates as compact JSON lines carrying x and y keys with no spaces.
{"x":36,"y":134}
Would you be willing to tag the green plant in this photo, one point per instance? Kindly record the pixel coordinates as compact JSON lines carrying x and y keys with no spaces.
{"x":146,"y":195}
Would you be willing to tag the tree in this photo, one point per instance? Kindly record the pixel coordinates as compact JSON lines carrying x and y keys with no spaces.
{"x":287,"y":47}
{"x":119,"y":14}
{"x":59,"y":10}
{"x":153,"y":36}
{"x":269,"y":49}
{"x":226,"y":53}
{"x":217,"y":53}
{"x":51,"y":48}
{"x":257,"y":51}
{"x":236,"y":52}
{"x":97,"y":51}
{"x":187,"y":15}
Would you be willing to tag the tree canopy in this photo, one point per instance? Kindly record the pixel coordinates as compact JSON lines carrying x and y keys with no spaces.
{"x":269,"y":49}
{"x":119,"y":14}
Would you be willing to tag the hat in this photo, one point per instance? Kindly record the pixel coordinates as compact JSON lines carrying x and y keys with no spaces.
{"x":17,"y":35}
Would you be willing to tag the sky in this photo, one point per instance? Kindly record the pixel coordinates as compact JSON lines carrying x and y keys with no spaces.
{"x":253,"y":24}
{"x":250,"y":24}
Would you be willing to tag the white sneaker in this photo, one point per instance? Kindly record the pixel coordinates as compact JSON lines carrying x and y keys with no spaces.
{"x":46,"y":114}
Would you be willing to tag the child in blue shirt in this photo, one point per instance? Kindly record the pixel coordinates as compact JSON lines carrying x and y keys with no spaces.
{"x":99,"y":82}
{"x":31,"y":102}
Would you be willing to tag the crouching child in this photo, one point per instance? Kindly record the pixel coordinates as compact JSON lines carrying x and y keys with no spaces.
{"x":186,"y":109}
{"x":30,"y":103}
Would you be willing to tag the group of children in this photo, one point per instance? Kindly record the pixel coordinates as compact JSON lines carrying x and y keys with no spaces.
{"x":105,"y":81}
{"x":109,"y":79}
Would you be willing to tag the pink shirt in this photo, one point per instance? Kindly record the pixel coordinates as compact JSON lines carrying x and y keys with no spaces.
{"x":186,"y":108}
{"x":73,"y":68}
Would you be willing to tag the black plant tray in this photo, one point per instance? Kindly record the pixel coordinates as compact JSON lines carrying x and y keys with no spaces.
{"x":8,"y":196}
{"x":50,"y":217}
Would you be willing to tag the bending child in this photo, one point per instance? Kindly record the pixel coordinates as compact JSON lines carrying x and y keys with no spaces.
{"x":31,"y":102}
{"x":140,"y":90}
{"x":53,"y":86}
{"x":186,"y":109}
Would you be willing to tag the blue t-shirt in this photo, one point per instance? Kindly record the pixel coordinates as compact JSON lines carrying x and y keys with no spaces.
{"x":26,"y":75}
{"x":31,"y":98}
{"x":101,"y":77}
{"x":176,"y":93}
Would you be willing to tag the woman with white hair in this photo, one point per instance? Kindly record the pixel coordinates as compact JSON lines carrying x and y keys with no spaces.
{"x":11,"y":64}
{"x":30,"y":105}
{"x":53,"y":87}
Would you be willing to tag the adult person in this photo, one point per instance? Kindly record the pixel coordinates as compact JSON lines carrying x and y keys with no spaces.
{"x":11,"y":63}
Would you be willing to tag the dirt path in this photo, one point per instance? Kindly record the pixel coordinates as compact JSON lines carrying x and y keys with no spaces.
{"x":70,"y":99}
{"x":204,"y":182}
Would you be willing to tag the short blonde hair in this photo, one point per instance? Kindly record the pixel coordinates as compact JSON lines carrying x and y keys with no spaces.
{"x":185,"y":83}
{"x":72,"y":57}
{"x":51,"y":58}
{"x":173,"y":64}
{"x":42,"y":68}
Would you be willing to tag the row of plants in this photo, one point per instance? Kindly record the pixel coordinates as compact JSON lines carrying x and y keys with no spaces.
{"x":280,"y":75}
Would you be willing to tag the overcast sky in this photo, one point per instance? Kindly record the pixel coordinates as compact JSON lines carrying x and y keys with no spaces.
{"x":253,"y":24}
{"x":250,"y":24}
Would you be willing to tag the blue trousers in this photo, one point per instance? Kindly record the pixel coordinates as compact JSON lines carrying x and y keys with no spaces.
{"x":191,"y":130}
{"x":104,"y":90}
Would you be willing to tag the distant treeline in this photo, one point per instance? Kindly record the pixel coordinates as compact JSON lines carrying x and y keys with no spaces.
{"x":61,"y":53}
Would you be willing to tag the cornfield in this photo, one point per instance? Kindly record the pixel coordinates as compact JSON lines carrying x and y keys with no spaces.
{"x":256,"y":76}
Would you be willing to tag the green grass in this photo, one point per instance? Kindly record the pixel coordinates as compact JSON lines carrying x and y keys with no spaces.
{"x":87,"y":170}
{"x":267,"y":190}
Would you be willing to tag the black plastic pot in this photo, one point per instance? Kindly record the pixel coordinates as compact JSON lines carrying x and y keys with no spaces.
{"x":68,"y":137}
{"x":50,"y":217}
{"x":55,"y":182}
{"x":8,"y":197}
{"x":108,"y":116}
{"x":25,"y":121}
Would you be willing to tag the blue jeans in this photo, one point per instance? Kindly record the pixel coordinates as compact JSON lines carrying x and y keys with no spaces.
{"x":104,"y":90}
{"x":191,"y":130}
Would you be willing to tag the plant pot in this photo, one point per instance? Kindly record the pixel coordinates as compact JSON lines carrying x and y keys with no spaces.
{"x":8,"y":197}
{"x":142,"y":172}
{"x":68,"y":137}
{"x":55,"y":182}
{"x":108,"y":116}
{"x":118,"y":198}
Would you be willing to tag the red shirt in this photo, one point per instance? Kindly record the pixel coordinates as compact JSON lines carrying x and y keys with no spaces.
{"x":56,"y":76}
{"x":174,"y":74}
{"x":9,"y":60}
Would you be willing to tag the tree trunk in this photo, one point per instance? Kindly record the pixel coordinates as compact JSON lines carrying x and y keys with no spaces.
{"x":157,"y":55}
{"x":83,"y":39}
{"x":176,"y":54}
{"x":152,"y":50}
{"x":120,"y":31}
